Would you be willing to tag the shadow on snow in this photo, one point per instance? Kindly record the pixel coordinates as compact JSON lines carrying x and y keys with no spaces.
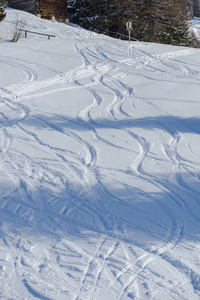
{"x":171,"y":124}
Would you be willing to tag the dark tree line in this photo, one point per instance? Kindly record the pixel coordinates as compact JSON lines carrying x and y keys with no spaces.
{"x":164,"y":21}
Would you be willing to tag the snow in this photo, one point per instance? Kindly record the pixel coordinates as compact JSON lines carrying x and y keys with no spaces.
{"x":99,"y":166}
{"x":196,"y":26}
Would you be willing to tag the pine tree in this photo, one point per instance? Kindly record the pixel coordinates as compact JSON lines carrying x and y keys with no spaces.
{"x":107,"y":16}
{"x":164,"y":21}
{"x":2,"y":9}
{"x":196,"y":8}
{"x":174,"y":26}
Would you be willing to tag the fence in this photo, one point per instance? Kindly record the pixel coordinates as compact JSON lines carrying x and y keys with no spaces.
{"x":45,"y":34}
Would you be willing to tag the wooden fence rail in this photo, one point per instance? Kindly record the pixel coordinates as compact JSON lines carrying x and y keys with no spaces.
{"x":45,"y":34}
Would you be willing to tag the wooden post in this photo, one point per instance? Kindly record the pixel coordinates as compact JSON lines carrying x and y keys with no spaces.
{"x":25,"y":34}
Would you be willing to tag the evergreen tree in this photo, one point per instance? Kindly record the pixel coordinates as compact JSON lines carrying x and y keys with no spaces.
{"x":196,"y":8}
{"x":107,"y":16}
{"x":2,"y":9}
{"x":164,"y":21}
{"x":174,"y":26}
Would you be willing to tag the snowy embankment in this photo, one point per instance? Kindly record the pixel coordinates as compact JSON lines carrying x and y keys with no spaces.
{"x":100,"y":167}
{"x":196,"y":27}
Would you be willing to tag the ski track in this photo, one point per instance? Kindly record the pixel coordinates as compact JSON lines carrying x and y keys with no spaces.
{"x":114,"y":259}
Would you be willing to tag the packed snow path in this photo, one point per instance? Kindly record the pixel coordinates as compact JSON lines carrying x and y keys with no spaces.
{"x":100,"y":167}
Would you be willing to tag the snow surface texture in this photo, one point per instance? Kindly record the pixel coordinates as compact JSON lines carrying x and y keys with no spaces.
{"x":196,"y":27}
{"x":100,"y":167}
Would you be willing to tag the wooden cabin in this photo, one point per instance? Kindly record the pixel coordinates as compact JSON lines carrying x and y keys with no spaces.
{"x":44,"y":8}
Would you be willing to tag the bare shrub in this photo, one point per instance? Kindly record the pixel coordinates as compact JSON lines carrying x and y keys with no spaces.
{"x":17,"y":30}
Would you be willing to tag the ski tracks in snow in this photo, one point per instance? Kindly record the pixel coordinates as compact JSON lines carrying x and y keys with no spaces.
{"x":114,"y":112}
{"x":63,"y":188}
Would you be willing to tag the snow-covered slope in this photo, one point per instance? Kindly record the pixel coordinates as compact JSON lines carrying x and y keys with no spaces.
{"x":196,"y":27}
{"x":100,"y":167}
